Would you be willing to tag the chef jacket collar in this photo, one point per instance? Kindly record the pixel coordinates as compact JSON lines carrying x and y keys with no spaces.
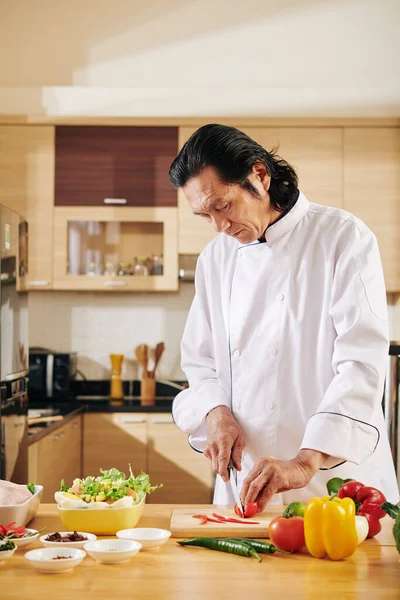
{"x":289,"y":221}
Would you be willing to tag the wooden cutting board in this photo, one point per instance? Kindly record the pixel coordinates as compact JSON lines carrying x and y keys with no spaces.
{"x":183,"y":525}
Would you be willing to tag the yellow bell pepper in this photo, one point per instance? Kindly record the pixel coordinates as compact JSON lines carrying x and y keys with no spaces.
{"x":330,"y":527}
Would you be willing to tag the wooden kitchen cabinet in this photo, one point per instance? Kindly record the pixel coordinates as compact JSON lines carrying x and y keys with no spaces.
{"x":91,"y":246}
{"x":121,"y":165}
{"x":186,"y":474}
{"x":372,"y":190}
{"x":150,"y":442}
{"x":114,"y":440}
{"x":27,"y":186}
{"x":55,"y":457}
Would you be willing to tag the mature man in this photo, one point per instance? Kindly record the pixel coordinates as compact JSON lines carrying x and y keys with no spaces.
{"x":286,"y":342}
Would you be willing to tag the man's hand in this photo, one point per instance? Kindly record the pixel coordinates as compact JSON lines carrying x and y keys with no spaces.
{"x":271,"y":476}
{"x":224,"y":439}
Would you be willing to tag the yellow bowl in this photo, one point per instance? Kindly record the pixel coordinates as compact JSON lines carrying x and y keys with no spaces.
{"x":103,"y":522}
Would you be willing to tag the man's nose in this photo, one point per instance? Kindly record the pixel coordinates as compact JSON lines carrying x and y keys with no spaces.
{"x":220,"y":224}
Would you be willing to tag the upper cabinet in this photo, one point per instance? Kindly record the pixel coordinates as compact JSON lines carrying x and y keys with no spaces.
{"x":315,"y":153}
{"x":27,"y":186}
{"x":372,"y":190}
{"x":114,"y":165}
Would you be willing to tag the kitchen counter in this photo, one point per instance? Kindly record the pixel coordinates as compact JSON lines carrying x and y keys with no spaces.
{"x":176,"y":573}
{"x":45,"y":429}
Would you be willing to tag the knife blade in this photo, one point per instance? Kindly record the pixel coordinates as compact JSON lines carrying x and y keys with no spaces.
{"x":233,"y":481}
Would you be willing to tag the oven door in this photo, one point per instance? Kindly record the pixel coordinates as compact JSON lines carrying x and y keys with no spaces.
{"x":14,"y":439}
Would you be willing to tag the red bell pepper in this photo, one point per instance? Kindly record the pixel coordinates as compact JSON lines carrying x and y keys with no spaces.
{"x":368,"y":502}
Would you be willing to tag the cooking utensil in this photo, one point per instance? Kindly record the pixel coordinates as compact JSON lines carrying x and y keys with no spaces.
{"x":142,"y":355}
{"x":183,"y":525}
{"x":157,"y":356}
{"x":233,"y":481}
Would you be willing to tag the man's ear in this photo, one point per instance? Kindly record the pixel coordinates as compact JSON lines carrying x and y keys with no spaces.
{"x":259,"y":170}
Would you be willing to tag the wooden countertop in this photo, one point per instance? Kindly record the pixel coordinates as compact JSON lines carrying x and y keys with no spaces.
{"x":176,"y":573}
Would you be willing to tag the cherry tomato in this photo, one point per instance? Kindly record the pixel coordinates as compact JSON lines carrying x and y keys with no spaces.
{"x":250,"y":511}
{"x":287,"y":534}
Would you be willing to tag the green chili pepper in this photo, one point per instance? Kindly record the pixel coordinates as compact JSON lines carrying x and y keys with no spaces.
{"x":222,"y":545}
{"x":261,"y":547}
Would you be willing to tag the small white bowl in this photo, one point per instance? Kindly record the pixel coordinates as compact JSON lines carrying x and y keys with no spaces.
{"x":6,"y":554}
{"x":90,"y":538}
{"x":43,"y":559}
{"x":112,"y":551}
{"x":150,"y":537}
{"x":25,"y":541}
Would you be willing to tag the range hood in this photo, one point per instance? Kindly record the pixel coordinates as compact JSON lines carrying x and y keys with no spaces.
{"x":187,"y":266}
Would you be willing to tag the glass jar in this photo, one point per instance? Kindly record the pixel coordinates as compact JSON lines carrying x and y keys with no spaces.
{"x":110,"y":269}
{"x":124,"y":269}
{"x":157,"y":265}
{"x":141,"y":266}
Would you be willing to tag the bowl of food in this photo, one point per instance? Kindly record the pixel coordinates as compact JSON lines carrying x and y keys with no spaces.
{"x":112,"y":551}
{"x":55,"y":560}
{"x":67,"y":539}
{"x":18,"y":503}
{"x":7,"y":549}
{"x":104,"y":504}
{"x":150,"y":537}
{"x":21,"y":536}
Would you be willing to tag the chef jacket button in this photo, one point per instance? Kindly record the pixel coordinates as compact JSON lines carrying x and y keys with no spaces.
{"x":236,"y":405}
{"x":270,"y":405}
{"x":281,"y":297}
{"x":274,"y":351}
{"x":236,"y":353}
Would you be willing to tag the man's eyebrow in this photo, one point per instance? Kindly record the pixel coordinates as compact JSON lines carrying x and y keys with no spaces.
{"x":211,"y":205}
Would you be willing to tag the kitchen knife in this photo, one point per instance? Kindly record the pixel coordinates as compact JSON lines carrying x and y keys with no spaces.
{"x":233,"y":481}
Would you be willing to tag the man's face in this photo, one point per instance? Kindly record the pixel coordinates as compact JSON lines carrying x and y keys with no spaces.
{"x":228,"y":207}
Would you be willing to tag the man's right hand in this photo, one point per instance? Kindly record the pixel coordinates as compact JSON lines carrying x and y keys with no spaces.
{"x":224,"y":439}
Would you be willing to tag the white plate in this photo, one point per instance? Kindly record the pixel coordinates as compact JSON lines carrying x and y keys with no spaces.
{"x":150,"y":537}
{"x":6,"y":554}
{"x":25,"y":541}
{"x":90,"y":538}
{"x":43,"y":559}
{"x":112,"y":551}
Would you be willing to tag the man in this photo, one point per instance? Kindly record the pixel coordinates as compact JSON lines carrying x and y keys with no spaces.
{"x":285,"y":346}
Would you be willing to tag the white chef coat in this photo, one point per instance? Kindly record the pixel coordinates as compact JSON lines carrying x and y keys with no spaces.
{"x":292,"y":336}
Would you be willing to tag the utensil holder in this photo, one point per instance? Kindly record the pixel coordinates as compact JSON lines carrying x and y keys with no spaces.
{"x":148,"y":392}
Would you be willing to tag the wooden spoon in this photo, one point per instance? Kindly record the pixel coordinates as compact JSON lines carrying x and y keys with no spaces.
{"x":142,"y":357}
{"x":158,"y":354}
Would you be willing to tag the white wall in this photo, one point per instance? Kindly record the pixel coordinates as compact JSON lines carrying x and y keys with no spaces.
{"x":203,"y":57}
{"x":95,"y":325}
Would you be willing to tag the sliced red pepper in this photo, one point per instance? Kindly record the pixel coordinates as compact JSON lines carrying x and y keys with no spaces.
{"x":203,"y":519}
{"x":220,"y":517}
{"x":243,"y":521}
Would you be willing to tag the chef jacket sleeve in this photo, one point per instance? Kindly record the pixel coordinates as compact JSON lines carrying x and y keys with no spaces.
{"x":192,"y":405}
{"x":342,"y":427}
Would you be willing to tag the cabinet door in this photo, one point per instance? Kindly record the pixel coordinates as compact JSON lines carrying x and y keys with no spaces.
{"x":55,"y":457}
{"x":96,"y":250}
{"x":372,"y":190}
{"x":185,"y":474}
{"x":27,"y":186}
{"x":194,"y":232}
{"x":316,"y":155}
{"x":96,"y":166}
{"x":114,"y":440}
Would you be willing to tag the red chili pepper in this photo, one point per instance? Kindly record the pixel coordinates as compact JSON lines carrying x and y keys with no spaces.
{"x":203,"y":519}
{"x":368,"y":501}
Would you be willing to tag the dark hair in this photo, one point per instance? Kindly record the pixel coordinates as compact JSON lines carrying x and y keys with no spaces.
{"x":232,"y":154}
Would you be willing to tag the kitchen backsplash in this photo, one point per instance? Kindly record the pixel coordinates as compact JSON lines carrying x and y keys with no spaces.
{"x":97,"y":324}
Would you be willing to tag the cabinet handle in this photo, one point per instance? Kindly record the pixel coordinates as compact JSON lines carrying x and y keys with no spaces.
{"x":163,"y":422}
{"x":131,"y":421}
{"x":115,"y":201}
{"x":39,"y":283}
{"x":114,"y":283}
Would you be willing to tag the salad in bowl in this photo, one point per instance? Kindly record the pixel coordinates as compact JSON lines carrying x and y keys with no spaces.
{"x":110,"y":490}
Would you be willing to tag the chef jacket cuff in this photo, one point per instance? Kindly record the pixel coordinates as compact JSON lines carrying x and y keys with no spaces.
{"x":341,"y":436}
{"x":191,"y":406}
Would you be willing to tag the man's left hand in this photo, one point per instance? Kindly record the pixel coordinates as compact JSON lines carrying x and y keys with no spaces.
{"x":271,"y":476}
